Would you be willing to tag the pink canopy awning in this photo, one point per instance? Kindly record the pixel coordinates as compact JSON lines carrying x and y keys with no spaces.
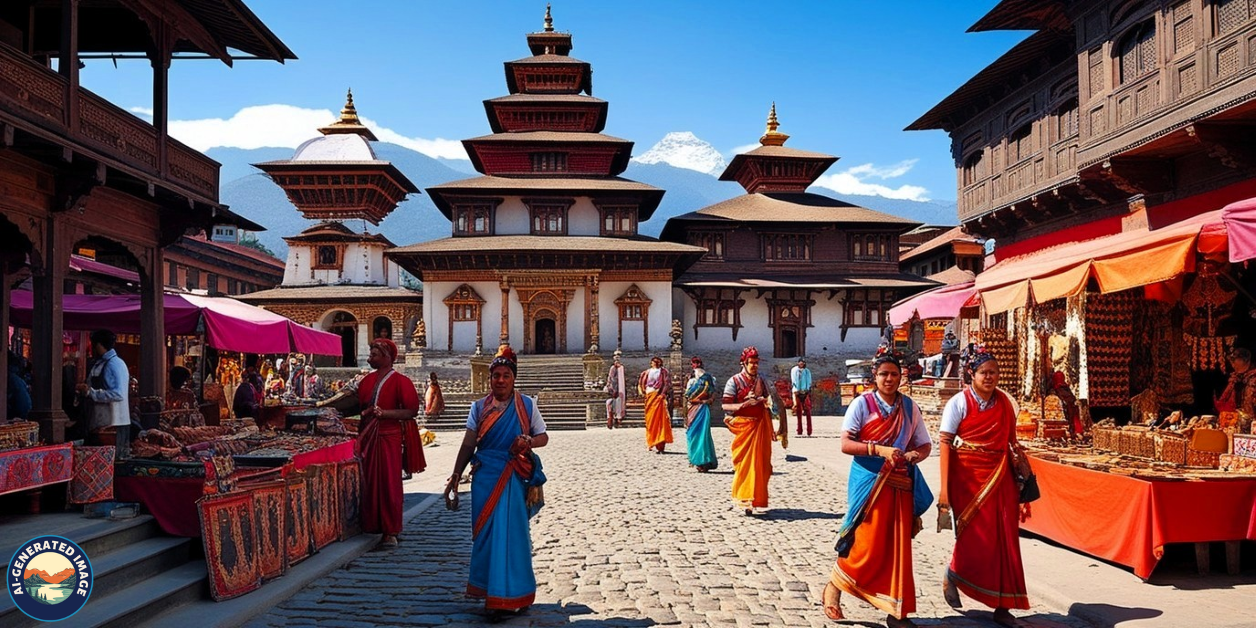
{"x":228,"y":324}
{"x":1240,"y":224}
{"x":941,"y":302}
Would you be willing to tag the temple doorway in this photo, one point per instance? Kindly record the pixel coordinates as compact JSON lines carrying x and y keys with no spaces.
{"x":345,"y":325}
{"x":545,"y":335}
{"x":787,"y":342}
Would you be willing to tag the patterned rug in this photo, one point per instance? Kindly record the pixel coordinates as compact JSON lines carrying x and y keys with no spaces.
{"x":229,"y":536}
{"x":324,"y":505}
{"x":349,"y":475}
{"x":270,"y":504}
{"x":220,"y":477}
{"x":298,"y":541}
{"x":93,"y":475}
{"x":33,"y":467}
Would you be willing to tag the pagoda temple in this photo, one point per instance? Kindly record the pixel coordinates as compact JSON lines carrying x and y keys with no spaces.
{"x":548,"y":235}
{"x":802,"y":273}
{"x":336,"y":278}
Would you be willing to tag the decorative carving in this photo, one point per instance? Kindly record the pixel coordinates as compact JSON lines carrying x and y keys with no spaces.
{"x":465,"y":305}
{"x":634,"y":305}
{"x":419,"y":338}
{"x":678,"y":335}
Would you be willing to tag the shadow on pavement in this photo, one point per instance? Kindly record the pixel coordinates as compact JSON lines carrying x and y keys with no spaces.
{"x":798,"y":514}
{"x":1111,"y":614}
{"x":566,"y":615}
{"x":793,"y":458}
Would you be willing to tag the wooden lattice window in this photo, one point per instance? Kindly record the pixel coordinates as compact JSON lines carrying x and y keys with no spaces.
{"x":717,"y":307}
{"x":871,"y":247}
{"x":634,"y":305}
{"x":786,"y":247}
{"x":1066,"y":119}
{"x":1020,"y":143}
{"x":972,"y":171}
{"x":328,"y":257}
{"x":1137,"y":51}
{"x":465,"y":305}
{"x":712,"y":241}
{"x":867,"y":308}
{"x":473,"y":219}
{"x":549,"y":162}
{"x":1232,"y":14}
{"x":548,"y":217}
{"x":618,"y":220}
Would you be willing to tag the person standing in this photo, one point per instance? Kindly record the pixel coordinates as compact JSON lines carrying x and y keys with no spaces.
{"x":700,"y":393}
{"x":749,"y":401}
{"x":655,"y":384}
{"x":502,"y":430}
{"x":18,"y":402}
{"x":800,"y":386}
{"x":979,"y":486}
{"x":108,"y":390}
{"x":615,"y":387}
{"x":250,"y":394}
{"x":886,"y":494}
{"x":389,"y":404}
{"x":1240,"y":391}
{"x":180,"y":397}
{"x":433,"y":400}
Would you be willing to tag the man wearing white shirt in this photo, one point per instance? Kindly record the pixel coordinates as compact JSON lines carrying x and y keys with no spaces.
{"x":800,"y":384}
{"x":108,"y":390}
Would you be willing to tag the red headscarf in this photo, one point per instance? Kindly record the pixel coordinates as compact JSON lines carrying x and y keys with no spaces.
{"x":505,"y":357}
{"x":386,"y":346}
{"x":747,"y":353}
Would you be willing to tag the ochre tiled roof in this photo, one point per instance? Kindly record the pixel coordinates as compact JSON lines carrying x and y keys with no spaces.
{"x":793,"y":207}
{"x":470,"y":244}
{"x":337,"y":292}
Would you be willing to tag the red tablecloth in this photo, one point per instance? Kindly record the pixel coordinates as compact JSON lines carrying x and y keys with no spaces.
{"x":172,"y":501}
{"x":1129,"y":521}
{"x":33,"y":467}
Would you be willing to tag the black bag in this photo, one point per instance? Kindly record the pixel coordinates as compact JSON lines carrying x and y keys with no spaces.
{"x":1029,"y":489}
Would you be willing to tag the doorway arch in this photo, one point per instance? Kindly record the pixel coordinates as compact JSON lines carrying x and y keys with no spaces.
{"x":345,"y":325}
{"x":545,"y":331}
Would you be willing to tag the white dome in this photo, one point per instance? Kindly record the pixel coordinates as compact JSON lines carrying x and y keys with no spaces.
{"x":336,"y":147}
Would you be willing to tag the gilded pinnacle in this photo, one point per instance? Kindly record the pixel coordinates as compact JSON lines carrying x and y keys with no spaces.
{"x":773,"y":137}
{"x":549,"y":19}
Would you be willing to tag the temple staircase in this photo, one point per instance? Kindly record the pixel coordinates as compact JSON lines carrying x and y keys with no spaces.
{"x":557,"y":381}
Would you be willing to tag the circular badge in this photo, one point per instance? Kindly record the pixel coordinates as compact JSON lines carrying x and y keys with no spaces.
{"x":49,"y":578}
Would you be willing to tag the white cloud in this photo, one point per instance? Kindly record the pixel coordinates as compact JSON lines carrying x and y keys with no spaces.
{"x":287,"y":126}
{"x":856,"y":180}
{"x":143,"y":112}
{"x":737,"y":150}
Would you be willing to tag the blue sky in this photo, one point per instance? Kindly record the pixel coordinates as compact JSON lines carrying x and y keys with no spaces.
{"x":846,"y":76}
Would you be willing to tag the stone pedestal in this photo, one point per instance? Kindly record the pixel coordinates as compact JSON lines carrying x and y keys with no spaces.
{"x":480,"y":374}
{"x":414,"y":360}
{"x":594,"y":370}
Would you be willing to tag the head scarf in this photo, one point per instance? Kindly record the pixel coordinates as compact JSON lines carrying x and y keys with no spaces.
{"x":505,"y":357}
{"x":980,"y":356}
{"x":695,"y":362}
{"x":386,"y":346}
{"x":747,"y":353}
{"x":885,"y":358}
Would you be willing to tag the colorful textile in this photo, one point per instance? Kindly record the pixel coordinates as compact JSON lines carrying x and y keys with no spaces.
{"x":658,"y":422}
{"x":615,"y":388}
{"x":986,"y":564}
{"x":324,"y":505}
{"x":93,"y":475}
{"x":270,"y":504}
{"x":298,"y":537}
{"x":700,"y":393}
{"x":874,"y":547}
{"x":433,"y":401}
{"x":33,"y":467}
{"x":230,"y":544}
{"x":501,"y":550}
{"x":219,"y":474}
{"x":753,"y":434}
{"x":349,"y":478}
{"x":379,"y":442}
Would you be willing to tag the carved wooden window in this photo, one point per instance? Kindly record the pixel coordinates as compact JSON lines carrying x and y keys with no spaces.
{"x":1232,"y":14}
{"x":473,"y":219}
{"x":1136,"y":52}
{"x":972,"y":171}
{"x":1066,"y":119}
{"x":712,"y":241}
{"x":786,"y":247}
{"x":718,"y":307}
{"x":549,"y":162}
{"x":328,"y":256}
{"x":548,"y":217}
{"x":867,"y":308}
{"x":1020,"y":143}
{"x":172,"y":274}
{"x":465,"y":305}
{"x":619,"y":220}
{"x":194,"y":278}
{"x":211,"y":283}
{"x":1184,"y":26}
{"x":871,"y":247}
{"x":634,"y":305}
{"x":1095,"y":72}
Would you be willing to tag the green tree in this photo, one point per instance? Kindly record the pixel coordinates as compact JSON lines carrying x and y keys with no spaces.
{"x":250,"y":240}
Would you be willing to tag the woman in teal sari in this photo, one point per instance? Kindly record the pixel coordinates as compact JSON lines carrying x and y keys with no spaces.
{"x":502,"y":430}
{"x":701,"y":394}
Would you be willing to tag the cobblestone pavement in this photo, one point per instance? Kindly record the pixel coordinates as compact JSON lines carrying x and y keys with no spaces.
{"x":632,"y":538}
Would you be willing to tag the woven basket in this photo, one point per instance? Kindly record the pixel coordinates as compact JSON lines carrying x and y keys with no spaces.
{"x":18,"y":435}
{"x":1171,"y":448}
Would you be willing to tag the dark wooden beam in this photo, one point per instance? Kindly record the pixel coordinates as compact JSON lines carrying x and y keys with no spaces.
{"x":1230,"y":144}
{"x":1136,"y":176}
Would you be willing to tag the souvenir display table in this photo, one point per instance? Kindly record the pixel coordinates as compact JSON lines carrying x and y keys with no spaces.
{"x":1128,"y":519}
{"x":34,"y":467}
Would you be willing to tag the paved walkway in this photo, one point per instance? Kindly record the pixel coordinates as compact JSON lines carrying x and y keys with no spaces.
{"x":631,"y":538}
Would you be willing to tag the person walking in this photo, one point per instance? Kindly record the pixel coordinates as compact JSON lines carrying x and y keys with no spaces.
{"x":750,"y":403}
{"x":800,"y":387}
{"x":615,"y":388}
{"x":108,"y":390}
{"x":655,"y":384}
{"x":700,"y":393}
{"x":979,"y":487}
{"x":503,"y":429}
{"x":886,"y":494}
{"x":389,"y":404}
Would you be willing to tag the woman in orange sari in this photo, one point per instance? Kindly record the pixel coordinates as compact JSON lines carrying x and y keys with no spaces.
{"x":886,"y":434}
{"x":978,"y":436}
{"x":655,"y":384}
{"x":750,"y":401}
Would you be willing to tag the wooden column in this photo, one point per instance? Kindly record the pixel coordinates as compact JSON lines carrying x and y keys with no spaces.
{"x":46,"y":331}
{"x":68,"y":60}
{"x":152,"y":375}
{"x":505,"y":334}
{"x":161,"y":97}
{"x":4,"y":326}
{"x":595,"y":332}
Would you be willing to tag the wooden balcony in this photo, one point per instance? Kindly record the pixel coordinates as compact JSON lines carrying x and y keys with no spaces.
{"x":39,"y":101}
{"x":1039,"y":172}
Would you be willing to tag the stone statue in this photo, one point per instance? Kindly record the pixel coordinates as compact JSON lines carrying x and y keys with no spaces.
{"x":419,"y":337}
{"x":678,"y":335}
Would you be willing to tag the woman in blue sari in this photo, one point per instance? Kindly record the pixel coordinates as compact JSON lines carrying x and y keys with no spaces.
{"x":502,"y":430}
{"x":700,"y":393}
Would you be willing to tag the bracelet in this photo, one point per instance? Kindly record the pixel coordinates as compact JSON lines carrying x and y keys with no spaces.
{"x":870,"y":450}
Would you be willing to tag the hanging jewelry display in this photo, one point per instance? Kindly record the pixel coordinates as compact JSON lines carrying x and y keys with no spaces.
{"x":1109,"y":326}
{"x":1206,"y":304}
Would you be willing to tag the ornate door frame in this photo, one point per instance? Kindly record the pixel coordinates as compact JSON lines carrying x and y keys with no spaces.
{"x":545,"y":303}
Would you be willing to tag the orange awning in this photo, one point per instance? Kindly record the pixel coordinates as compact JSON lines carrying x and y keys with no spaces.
{"x":1116,"y":262}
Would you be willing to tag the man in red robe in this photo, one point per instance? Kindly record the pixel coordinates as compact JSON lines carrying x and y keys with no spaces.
{"x":389,"y":404}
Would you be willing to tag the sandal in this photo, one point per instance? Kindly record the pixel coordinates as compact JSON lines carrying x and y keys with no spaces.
{"x":1003,"y":617}
{"x":950,"y":594}
{"x":832,"y":610}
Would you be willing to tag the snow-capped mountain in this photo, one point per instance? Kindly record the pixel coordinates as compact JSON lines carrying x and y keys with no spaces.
{"x":683,"y":149}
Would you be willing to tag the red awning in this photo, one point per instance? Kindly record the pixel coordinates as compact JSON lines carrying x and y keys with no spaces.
{"x":941,"y":302}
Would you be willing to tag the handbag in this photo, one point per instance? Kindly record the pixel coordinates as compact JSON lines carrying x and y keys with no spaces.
{"x":1027,"y":482}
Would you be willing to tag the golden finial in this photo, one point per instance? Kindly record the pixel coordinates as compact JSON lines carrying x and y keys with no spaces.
{"x":348,"y":122}
{"x":349,"y":115}
{"x":549,"y":19}
{"x":773,"y":137}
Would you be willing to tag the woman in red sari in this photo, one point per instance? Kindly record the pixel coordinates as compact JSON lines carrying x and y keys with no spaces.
{"x":389,"y":404}
{"x":978,"y":436}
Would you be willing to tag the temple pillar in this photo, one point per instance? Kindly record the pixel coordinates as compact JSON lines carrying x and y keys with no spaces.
{"x":364,"y":341}
{"x":595,"y":335}
{"x":152,"y":375}
{"x":505,"y":333}
{"x":48,"y":282}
